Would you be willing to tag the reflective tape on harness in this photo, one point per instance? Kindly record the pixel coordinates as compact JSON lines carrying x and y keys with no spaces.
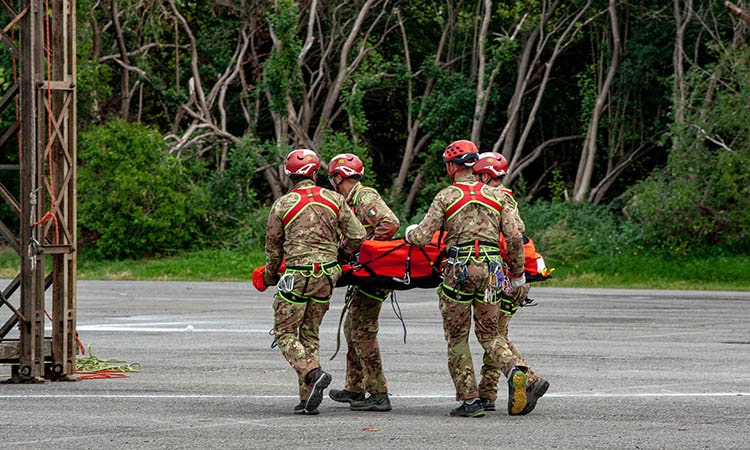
{"x":457,"y":296}
{"x":293,"y":297}
{"x":508,"y":306}
{"x":308,"y":196}
{"x":478,"y":249}
{"x":314,"y":268}
{"x":470,"y":193}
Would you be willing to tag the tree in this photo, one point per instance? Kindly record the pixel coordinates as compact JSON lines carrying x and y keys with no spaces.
{"x":137,"y":198}
{"x":701,"y":198}
{"x":590,"y":147}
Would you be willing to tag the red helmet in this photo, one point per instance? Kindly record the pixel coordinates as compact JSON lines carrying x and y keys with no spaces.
{"x":346,"y":165}
{"x":491,"y":163}
{"x":302,"y":162}
{"x":461,"y":152}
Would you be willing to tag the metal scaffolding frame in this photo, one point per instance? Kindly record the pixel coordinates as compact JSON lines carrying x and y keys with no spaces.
{"x":40,"y":146}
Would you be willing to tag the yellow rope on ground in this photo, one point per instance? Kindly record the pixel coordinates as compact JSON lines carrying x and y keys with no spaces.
{"x":94,"y":367}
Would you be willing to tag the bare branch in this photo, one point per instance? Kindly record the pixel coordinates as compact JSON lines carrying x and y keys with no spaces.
{"x":741,"y":13}
{"x":716,"y":140}
{"x":597,"y":193}
{"x":536,"y":153}
{"x":141,"y":51}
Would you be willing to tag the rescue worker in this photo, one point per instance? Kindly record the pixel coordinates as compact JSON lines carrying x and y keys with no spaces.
{"x":364,"y":368}
{"x":490,"y":169}
{"x":472,"y":216}
{"x":303,"y":229}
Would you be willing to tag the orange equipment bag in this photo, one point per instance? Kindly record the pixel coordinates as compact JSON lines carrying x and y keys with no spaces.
{"x":533,"y":263}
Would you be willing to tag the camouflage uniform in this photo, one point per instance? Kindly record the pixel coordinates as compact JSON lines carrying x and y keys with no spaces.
{"x":490,"y":371}
{"x":475,"y":229}
{"x":364,"y":368}
{"x":309,"y":244}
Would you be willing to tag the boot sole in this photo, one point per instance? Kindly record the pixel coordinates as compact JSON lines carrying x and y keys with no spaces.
{"x":476,"y":414}
{"x":537,"y":391}
{"x":343,"y":399}
{"x":371,"y":408}
{"x":516,"y":396}
{"x":316,"y":396}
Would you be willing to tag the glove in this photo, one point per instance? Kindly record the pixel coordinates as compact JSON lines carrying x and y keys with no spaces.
{"x":343,"y":258}
{"x":516,"y":283}
{"x":258,"y":282}
{"x":408,"y":230}
{"x":519,"y":295}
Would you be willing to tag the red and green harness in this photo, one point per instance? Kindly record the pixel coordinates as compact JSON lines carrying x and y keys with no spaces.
{"x":307,"y":197}
{"x":478,"y":251}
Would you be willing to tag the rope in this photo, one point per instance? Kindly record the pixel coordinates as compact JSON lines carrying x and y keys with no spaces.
{"x":348,"y":298}
{"x":90,"y":367}
{"x":79,"y":342}
{"x":397,"y":310}
{"x":49,"y":215}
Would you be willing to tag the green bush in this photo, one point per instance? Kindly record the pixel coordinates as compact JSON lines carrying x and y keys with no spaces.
{"x":134,"y":197}
{"x":565,"y":232}
{"x":233,"y":200}
{"x":701,"y":199}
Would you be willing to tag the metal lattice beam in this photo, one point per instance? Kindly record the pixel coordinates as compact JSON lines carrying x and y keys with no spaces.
{"x":41,"y":36}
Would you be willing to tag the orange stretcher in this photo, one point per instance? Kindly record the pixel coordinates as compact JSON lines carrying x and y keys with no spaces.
{"x":398,"y":265}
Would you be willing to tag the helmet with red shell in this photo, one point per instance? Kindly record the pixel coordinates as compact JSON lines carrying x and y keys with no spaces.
{"x":347,"y":165}
{"x":303,"y":162}
{"x":491,"y":163}
{"x":461,"y":152}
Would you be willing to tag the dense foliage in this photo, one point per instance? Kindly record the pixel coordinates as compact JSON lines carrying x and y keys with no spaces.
{"x":138,"y":199}
{"x":701,"y":198}
{"x":625,"y":123}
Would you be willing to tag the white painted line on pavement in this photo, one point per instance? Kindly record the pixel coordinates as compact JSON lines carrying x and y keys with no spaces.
{"x":181,"y":327}
{"x":426,"y":396}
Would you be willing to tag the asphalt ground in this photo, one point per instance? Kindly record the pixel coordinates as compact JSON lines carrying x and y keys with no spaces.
{"x":629,"y":369}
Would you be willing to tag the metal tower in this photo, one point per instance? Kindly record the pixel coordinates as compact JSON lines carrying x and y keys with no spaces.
{"x":38,"y":187}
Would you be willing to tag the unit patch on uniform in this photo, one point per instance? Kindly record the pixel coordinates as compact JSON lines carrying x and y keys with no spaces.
{"x":371,"y":212}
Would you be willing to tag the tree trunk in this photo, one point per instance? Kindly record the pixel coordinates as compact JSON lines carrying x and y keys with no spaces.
{"x":413,"y":144}
{"x":588,"y":156}
{"x":483,"y":88}
{"x":125,"y":94}
{"x":682,"y":17}
{"x":741,"y":13}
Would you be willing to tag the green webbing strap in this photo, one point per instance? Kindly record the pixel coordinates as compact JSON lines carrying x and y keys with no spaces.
{"x":457,"y":296}
{"x":372,"y":296}
{"x":508,"y":306}
{"x":485,"y":249}
{"x":293,"y":297}
{"x":315,"y":270}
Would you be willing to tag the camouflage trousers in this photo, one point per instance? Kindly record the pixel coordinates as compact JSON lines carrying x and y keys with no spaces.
{"x":296,"y":325}
{"x":491,"y":372}
{"x":364,"y":368}
{"x":457,"y":316}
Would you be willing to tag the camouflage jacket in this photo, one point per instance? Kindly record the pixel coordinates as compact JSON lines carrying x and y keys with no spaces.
{"x":508,"y":198}
{"x":379,"y":221}
{"x":312,"y":236}
{"x":472,"y":222}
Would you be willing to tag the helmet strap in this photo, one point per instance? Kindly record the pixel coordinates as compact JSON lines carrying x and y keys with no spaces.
{"x":451,"y":168}
{"x":332,"y":179}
